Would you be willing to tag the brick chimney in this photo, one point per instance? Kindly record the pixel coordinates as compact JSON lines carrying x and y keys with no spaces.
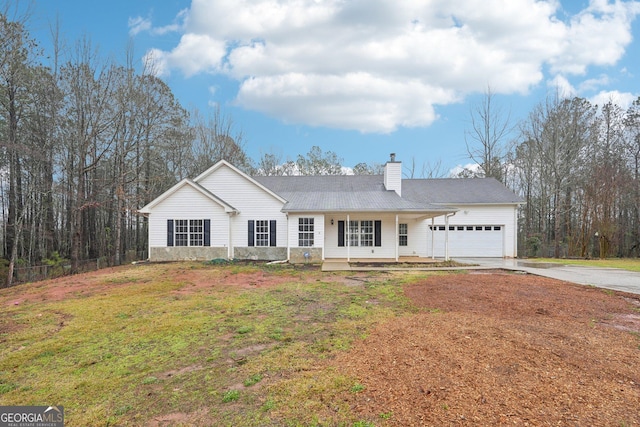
{"x":393,"y":175}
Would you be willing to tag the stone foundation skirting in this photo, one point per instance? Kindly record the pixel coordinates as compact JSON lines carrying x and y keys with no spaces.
{"x":260,"y":253}
{"x":305,"y":255}
{"x":187,"y":253}
{"x":205,"y":253}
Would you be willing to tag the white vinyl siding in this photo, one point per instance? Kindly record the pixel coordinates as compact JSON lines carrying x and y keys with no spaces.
{"x":200,"y":207}
{"x":318,"y":229}
{"x":393,"y":177}
{"x":252,"y":201}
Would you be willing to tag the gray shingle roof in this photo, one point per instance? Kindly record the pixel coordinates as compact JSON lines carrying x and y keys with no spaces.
{"x":367,"y":193}
{"x":459,"y":191}
{"x":340,"y":193}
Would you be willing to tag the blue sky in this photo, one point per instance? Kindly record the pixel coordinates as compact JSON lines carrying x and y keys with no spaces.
{"x":364,"y":78}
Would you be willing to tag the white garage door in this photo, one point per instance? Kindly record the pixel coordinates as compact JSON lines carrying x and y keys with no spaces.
{"x":468,"y":240}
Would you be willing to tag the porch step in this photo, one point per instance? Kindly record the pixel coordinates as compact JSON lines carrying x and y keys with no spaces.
{"x":335,"y":266}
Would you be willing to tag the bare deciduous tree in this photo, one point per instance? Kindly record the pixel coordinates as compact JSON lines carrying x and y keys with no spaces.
{"x":487,"y":139}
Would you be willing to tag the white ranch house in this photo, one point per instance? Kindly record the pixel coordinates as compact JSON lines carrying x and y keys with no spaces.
{"x":224,"y":213}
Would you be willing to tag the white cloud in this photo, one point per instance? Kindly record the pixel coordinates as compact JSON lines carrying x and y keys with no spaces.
{"x":458,"y":169}
{"x":138,"y":24}
{"x":194,"y":53}
{"x":623,"y":100}
{"x":563,"y":87}
{"x":354,"y":101}
{"x":375,"y":65}
{"x":594,"y":83}
{"x":596,"y":36}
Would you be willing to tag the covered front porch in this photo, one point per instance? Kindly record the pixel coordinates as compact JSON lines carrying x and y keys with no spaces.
{"x":382,"y":237}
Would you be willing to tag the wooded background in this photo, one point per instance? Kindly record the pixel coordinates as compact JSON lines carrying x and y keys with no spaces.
{"x":85,"y":142}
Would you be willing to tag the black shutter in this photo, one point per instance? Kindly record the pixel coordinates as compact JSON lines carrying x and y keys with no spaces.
{"x":169,"y":232}
{"x":251,"y":233}
{"x":272,"y":232}
{"x":340,"y":233}
{"x":207,"y":232}
{"x":378,"y":233}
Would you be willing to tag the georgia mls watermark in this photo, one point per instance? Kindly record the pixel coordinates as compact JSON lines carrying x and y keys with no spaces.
{"x":31,"y":416}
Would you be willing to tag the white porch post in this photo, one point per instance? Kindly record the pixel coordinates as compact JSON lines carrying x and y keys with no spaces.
{"x":324,"y":235}
{"x":433,"y":243}
{"x":397,"y":240}
{"x":348,"y":239}
{"x":288,"y":240}
{"x":446,"y":237}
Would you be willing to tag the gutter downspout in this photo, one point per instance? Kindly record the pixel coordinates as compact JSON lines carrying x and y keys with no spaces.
{"x":446,"y":235}
{"x":515,"y":232}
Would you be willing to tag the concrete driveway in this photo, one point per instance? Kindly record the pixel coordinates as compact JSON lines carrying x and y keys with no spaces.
{"x":608,"y":278}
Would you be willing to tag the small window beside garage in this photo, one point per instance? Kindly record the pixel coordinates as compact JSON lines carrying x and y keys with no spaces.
{"x":403,"y":232}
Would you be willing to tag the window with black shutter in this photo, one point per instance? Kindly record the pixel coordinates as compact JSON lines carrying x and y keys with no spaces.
{"x":188,"y":232}
{"x":262,"y":232}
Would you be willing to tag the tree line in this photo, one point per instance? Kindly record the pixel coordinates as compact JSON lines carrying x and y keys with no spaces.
{"x":576,"y":164}
{"x":85,"y":142}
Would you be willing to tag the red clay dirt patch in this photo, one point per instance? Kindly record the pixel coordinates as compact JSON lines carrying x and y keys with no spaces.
{"x":502,"y":349}
{"x":57,"y":289}
{"x":91,"y":283}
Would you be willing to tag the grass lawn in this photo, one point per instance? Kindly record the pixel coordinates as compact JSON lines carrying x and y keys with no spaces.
{"x":159,"y":341}
{"x":631,"y":264}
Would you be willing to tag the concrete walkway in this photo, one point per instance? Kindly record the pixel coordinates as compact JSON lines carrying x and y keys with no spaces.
{"x":607,"y":278}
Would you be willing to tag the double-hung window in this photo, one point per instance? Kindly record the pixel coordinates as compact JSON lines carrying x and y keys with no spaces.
{"x":188,"y":232}
{"x":403,"y":234}
{"x":182,"y":232}
{"x":366,"y":233}
{"x":354,"y":233}
{"x":261,"y":232}
{"x":305,"y":232}
{"x":196,"y":232}
{"x":360,"y":233}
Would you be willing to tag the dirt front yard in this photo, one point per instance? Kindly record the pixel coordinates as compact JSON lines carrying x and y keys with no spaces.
{"x":502,"y":349}
{"x":304,"y":347}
